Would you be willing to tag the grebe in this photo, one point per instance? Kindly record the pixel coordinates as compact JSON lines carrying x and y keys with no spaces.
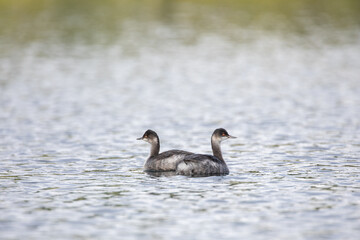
{"x":165,"y":161}
{"x":206,"y":165}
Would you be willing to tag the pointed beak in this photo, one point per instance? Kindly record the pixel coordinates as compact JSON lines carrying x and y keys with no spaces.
{"x":231,"y":136}
{"x":140,"y":138}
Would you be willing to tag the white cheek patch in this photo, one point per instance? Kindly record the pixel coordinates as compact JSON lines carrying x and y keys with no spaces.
{"x":216,"y":138}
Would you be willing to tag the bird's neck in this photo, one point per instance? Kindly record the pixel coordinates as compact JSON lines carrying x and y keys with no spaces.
{"x":155,"y":148}
{"x":215,"y":145}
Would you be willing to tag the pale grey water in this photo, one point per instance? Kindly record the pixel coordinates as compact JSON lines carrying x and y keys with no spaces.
{"x":70,"y":167}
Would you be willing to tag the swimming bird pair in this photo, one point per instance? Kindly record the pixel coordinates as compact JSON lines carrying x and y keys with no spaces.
{"x":187,"y":163}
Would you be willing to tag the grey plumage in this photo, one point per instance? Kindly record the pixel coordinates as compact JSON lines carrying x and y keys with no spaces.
{"x":201,"y":165}
{"x":206,"y":165}
{"x":166,"y":161}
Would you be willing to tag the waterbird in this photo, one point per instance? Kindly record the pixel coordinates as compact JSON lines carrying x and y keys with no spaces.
{"x":206,"y":165}
{"x":165,"y":161}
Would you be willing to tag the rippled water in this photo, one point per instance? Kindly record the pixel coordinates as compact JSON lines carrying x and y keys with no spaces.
{"x":70,"y":167}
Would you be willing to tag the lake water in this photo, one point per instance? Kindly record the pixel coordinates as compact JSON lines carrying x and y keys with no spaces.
{"x":80,"y":82}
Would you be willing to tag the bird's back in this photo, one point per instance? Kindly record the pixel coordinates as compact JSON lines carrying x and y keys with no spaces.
{"x":201,"y":165}
{"x":165,"y":161}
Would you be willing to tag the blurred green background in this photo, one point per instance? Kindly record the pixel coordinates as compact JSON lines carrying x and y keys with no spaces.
{"x":105,"y":22}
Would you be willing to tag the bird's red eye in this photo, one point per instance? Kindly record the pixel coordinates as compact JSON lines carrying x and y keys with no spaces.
{"x":223,"y":134}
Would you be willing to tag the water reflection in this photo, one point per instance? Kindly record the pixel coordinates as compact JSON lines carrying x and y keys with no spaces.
{"x":161,"y":174}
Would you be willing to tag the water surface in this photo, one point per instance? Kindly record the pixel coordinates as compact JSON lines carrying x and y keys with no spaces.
{"x":80,"y":82}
